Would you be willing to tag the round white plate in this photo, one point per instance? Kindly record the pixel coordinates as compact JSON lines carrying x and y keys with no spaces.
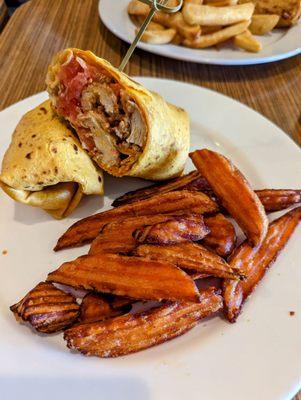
{"x":280,"y":44}
{"x":256,"y":358}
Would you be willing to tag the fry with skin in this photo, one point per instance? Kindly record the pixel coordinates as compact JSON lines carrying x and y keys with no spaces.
{"x":288,"y":10}
{"x":222,"y":236}
{"x":254,"y":262}
{"x":131,"y":333}
{"x":133,"y":277}
{"x":177,"y":202}
{"x":278,"y":199}
{"x":189,"y":256}
{"x":209,"y":15}
{"x":215,"y":38}
{"x":263,"y":23}
{"x":176,"y":230}
{"x":96,"y":307}
{"x":47,"y":308}
{"x":234,"y":193}
{"x":248,"y":42}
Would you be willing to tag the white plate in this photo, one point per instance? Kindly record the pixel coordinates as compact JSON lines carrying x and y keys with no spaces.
{"x":280,"y":44}
{"x":256,"y":358}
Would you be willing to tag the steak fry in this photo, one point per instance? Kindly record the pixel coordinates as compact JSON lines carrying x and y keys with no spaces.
{"x":133,"y":277}
{"x":47,"y":308}
{"x":192,"y":181}
{"x":222,"y":236}
{"x":131,"y":333}
{"x":176,"y":230}
{"x":234,"y":192}
{"x":254,"y":262}
{"x":278,"y":199}
{"x":117,"y":237}
{"x":97,"y":307}
{"x":178,"y":202}
{"x":189,"y":256}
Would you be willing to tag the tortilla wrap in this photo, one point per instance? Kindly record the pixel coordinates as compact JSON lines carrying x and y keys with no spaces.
{"x":126,"y":129}
{"x":45,"y":165}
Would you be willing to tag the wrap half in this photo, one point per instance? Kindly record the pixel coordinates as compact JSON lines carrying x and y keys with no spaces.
{"x":45,"y":165}
{"x":126,"y":129}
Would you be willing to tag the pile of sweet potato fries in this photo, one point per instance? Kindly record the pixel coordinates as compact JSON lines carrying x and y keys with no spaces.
{"x":156,"y":244}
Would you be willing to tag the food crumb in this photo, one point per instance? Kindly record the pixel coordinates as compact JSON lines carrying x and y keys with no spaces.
{"x":292,"y":313}
{"x":4,"y":252}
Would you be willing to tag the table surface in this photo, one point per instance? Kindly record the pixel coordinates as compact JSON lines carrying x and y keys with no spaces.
{"x":40,"y":28}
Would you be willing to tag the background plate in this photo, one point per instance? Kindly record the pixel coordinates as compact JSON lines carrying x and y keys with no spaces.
{"x":256,"y":358}
{"x":280,"y":44}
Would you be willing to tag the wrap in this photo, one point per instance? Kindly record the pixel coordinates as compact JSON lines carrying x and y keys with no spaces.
{"x":126,"y":129}
{"x":45,"y":165}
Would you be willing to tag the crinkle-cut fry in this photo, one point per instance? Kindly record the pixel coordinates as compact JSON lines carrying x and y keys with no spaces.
{"x":175,"y":230}
{"x":215,"y":38}
{"x":278,"y":199}
{"x":137,"y":278}
{"x":47,"y":308}
{"x":117,"y":237}
{"x":234,"y":193}
{"x":261,"y":24}
{"x":209,"y":15}
{"x":158,"y":37}
{"x":134,"y":332}
{"x":189,"y":256}
{"x":222,"y":236}
{"x":177,"y":202}
{"x":248,"y":42}
{"x":192,"y":182}
{"x":97,"y":307}
{"x":254,"y":262}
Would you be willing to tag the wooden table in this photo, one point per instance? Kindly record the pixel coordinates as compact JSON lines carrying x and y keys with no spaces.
{"x":40,"y":28}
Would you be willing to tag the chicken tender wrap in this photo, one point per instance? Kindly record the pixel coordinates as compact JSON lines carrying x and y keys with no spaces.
{"x":45,"y":165}
{"x":125,"y":128}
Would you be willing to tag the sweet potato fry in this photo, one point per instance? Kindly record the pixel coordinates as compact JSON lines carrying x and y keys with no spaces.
{"x":222,"y":236}
{"x":47,"y":308}
{"x":278,"y":199}
{"x":189,"y":256}
{"x":192,"y":181}
{"x":117,"y":237}
{"x":254,"y":262}
{"x":177,"y":202}
{"x":131,"y":333}
{"x":176,"y":230}
{"x":234,"y":192}
{"x":97,"y":307}
{"x":133,"y":277}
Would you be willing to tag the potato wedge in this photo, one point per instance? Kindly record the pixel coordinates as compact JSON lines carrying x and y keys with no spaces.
{"x":209,"y":15}
{"x":289,"y":11}
{"x":234,"y":192}
{"x":261,"y":24}
{"x":221,"y":3}
{"x":131,"y":333}
{"x":254,"y":262}
{"x":158,"y":36}
{"x":215,"y":38}
{"x":189,"y":256}
{"x":222,"y":236}
{"x":133,"y":277}
{"x":47,"y":308}
{"x":179,"y":229}
{"x":177,"y":202}
{"x":248,"y":42}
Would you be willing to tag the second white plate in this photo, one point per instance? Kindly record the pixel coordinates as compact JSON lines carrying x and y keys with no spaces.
{"x":278,"y":45}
